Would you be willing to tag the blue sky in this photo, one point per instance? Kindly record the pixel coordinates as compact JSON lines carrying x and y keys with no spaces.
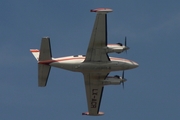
{"x":152,"y":28}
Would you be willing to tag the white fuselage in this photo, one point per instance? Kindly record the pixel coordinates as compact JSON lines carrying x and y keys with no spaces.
{"x":76,"y":64}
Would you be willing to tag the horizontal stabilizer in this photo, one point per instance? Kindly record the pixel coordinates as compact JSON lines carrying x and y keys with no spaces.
{"x":43,"y":74}
{"x":45,"y":50}
{"x":44,"y":69}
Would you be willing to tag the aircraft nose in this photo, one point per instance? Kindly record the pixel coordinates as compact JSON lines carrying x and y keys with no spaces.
{"x":135,"y":64}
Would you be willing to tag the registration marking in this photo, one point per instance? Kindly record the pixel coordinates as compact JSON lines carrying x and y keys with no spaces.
{"x":94,"y":98}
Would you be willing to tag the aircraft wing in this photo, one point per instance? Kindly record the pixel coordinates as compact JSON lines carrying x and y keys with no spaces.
{"x":94,"y":91}
{"x":98,"y":41}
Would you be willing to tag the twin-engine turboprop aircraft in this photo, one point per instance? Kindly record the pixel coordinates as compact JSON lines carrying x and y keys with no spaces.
{"x":95,"y":65}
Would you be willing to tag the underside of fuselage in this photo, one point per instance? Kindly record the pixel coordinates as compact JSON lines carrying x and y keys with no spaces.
{"x":79,"y":66}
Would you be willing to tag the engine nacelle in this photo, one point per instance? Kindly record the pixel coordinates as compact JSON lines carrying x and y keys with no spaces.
{"x":114,"y":48}
{"x":112,"y":81}
{"x":116,"y":80}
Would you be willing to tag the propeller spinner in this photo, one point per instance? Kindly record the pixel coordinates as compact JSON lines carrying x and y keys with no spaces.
{"x":122,"y":79}
{"x":125,"y":45}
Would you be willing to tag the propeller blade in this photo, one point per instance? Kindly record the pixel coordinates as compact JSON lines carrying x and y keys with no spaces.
{"x":125,"y":42}
{"x":123,"y":79}
{"x":123,"y":84}
{"x":123,"y":75}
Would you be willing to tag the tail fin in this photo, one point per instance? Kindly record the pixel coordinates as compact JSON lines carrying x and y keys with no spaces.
{"x":43,"y":55}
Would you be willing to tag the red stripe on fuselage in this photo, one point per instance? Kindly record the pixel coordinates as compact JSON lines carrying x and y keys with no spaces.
{"x":75,"y":58}
{"x":58,"y":60}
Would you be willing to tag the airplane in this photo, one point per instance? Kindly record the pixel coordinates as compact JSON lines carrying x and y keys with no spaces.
{"x":95,"y":65}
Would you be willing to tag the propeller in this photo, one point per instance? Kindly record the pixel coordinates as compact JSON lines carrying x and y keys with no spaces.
{"x":125,"y":44}
{"x":123,"y":79}
{"x":125,"y":41}
{"x":125,"y":47}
